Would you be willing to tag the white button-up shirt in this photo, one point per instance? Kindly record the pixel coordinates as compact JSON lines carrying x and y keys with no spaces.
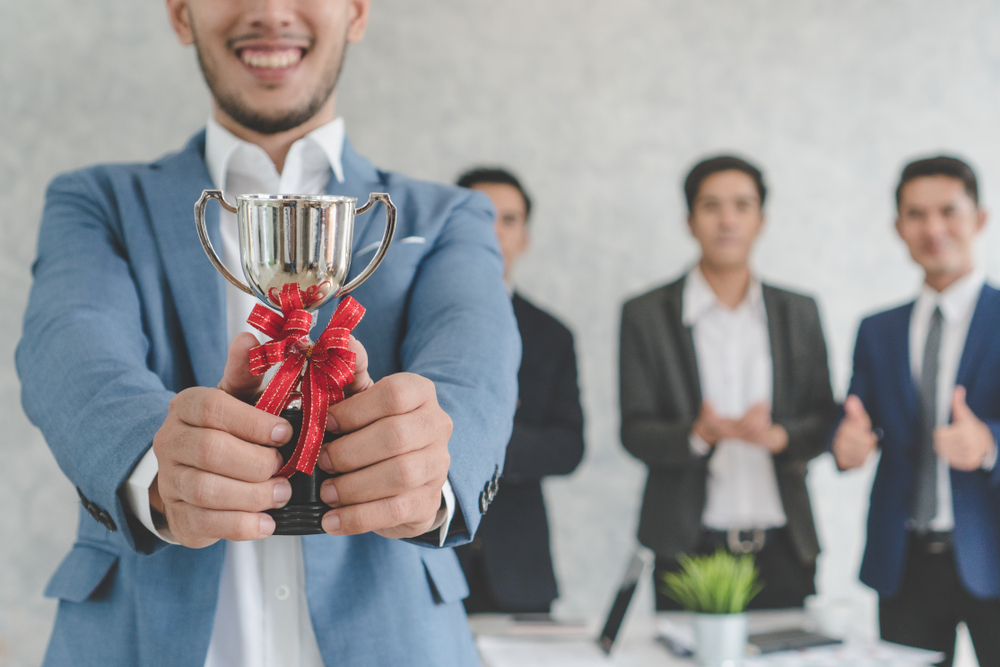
{"x":262,"y":618}
{"x":733,"y":349}
{"x":957,"y":303}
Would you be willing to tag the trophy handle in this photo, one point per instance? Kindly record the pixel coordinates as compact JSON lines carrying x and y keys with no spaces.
{"x":390,"y":229}
{"x":206,"y":243}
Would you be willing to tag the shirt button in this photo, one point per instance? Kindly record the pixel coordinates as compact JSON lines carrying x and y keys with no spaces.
{"x":282,"y":592}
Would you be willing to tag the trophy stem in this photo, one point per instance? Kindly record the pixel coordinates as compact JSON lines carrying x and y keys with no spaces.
{"x":303,"y":515}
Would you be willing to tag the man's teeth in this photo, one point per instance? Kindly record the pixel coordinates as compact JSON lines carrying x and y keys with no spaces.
{"x":271,"y":59}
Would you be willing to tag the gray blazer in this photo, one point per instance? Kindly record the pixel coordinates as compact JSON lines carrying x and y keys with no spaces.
{"x":661,"y":396}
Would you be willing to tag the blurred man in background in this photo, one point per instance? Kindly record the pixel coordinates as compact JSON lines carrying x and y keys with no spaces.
{"x":725,"y":396}
{"x":509,"y":565}
{"x":926,"y":392}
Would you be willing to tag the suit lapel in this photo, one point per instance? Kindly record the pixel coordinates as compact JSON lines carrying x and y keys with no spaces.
{"x":685,"y":346}
{"x":778,"y":332}
{"x":170,"y":188}
{"x":985,"y":321}
{"x":898,"y":360}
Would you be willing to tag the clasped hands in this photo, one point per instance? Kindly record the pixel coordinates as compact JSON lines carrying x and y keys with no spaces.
{"x":217,"y":456}
{"x":755,"y":426}
{"x":964,"y":443}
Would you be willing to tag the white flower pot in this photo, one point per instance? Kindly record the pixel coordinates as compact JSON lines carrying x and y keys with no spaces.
{"x":720,"y":639}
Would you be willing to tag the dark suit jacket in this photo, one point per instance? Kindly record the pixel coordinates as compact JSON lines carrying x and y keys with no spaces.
{"x":884,"y":383}
{"x":513,"y":538}
{"x":661,"y":397}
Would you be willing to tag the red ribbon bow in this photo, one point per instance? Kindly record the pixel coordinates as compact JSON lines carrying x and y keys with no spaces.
{"x":322,"y":369}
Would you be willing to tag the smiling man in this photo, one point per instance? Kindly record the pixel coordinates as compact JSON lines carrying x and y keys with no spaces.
{"x":725,"y":396}
{"x":125,"y":369}
{"x":926,"y":392}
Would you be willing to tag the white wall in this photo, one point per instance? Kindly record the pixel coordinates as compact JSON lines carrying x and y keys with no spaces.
{"x":601,"y":106}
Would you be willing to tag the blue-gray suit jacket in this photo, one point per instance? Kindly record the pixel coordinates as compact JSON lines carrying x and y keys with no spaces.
{"x":126,"y":310}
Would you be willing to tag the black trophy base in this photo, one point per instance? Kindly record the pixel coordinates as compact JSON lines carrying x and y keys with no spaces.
{"x":303,"y":514}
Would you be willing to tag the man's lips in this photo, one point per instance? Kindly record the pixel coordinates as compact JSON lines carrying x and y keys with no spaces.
{"x":270,"y":59}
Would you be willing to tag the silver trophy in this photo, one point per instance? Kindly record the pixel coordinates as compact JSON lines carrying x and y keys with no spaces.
{"x":301,"y":240}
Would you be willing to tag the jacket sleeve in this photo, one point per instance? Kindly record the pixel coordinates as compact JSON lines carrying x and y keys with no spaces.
{"x":82,"y":358}
{"x":657,"y":441}
{"x":555,"y":445}
{"x":807,"y":431}
{"x":462,"y":335}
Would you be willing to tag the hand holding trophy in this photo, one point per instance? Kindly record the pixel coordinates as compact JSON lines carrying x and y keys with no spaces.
{"x":295,"y":251}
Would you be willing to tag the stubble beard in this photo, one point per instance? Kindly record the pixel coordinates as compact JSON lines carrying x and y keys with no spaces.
{"x":231,"y":102}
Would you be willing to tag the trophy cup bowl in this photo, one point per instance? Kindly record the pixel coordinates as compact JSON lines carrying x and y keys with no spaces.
{"x":304,"y":240}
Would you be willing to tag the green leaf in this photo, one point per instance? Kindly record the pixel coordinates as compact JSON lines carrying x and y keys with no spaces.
{"x":718,"y":584}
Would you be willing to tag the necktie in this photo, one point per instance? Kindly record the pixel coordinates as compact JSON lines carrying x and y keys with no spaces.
{"x":925,"y":502}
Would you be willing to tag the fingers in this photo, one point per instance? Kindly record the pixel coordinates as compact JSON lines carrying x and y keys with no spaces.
{"x":754,"y":424}
{"x":855,"y":411}
{"x":395,"y":394}
{"x":237,"y":380}
{"x":394,"y":452}
{"x":407,"y":515}
{"x":220,"y":453}
{"x":854,"y":440}
{"x":215,"y":409}
{"x":385,"y":479}
{"x":216,"y":492}
{"x":959,"y":408}
{"x":387,"y":438}
{"x":362,"y":380}
{"x":196,"y":527}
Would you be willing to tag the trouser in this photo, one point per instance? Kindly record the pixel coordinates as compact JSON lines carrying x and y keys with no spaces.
{"x":787,"y":580}
{"x":481,"y":598}
{"x":932,"y":601}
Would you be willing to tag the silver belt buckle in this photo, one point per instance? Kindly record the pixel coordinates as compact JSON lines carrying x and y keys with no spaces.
{"x":738,"y":545}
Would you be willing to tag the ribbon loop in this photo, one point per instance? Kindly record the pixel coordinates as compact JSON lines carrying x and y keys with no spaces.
{"x":321,"y":370}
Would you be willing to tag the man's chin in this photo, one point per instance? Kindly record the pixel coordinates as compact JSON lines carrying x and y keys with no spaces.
{"x":269,"y":122}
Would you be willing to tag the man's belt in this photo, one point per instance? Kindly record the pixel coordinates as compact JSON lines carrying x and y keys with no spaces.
{"x":738,"y":541}
{"x":932,"y":541}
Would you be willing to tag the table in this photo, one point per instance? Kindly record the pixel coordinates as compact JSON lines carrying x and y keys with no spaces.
{"x":504,"y":643}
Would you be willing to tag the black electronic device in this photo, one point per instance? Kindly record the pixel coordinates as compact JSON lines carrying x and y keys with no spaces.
{"x":793,"y":639}
{"x":636,"y":567}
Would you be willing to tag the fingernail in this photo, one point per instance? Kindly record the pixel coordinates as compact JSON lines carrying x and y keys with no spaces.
{"x":331,"y":522}
{"x":267,"y":525}
{"x":331,"y":423}
{"x":282,"y":492}
{"x":324,"y":461}
{"x":278,"y":464}
{"x":328,"y":494}
{"x":281,"y":433}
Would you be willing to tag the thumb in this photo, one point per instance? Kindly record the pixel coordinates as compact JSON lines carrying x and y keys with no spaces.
{"x":959,"y":408}
{"x":237,"y":380}
{"x":855,"y":411}
{"x":361,"y":380}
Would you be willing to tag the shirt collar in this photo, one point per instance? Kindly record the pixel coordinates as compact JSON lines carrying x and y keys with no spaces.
{"x":956,"y":300}
{"x":699,"y":298}
{"x":221,"y":145}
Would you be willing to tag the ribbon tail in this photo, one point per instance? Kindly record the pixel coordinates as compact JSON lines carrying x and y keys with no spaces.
{"x":315,"y":401}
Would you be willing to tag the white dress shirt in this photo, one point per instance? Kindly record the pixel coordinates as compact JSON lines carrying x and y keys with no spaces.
{"x":957,"y":303}
{"x":262,"y":618}
{"x":733,"y":349}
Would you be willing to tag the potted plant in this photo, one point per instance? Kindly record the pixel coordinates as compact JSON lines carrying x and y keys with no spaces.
{"x":716,"y":590}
